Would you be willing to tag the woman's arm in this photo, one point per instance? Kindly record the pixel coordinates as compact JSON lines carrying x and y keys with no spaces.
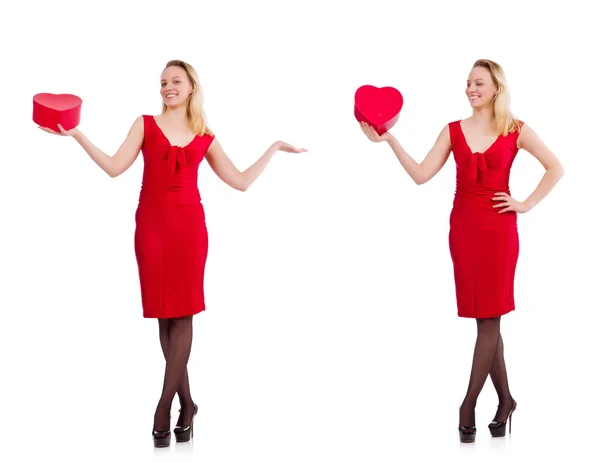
{"x":226,"y":170}
{"x":530,"y":142}
{"x":420,"y":172}
{"x":125,"y":155}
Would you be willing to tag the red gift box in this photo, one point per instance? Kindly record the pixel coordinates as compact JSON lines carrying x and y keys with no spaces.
{"x":49,"y":110}
{"x":379,"y":107}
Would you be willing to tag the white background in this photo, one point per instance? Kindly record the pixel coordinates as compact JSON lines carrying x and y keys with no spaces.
{"x":331,"y":332}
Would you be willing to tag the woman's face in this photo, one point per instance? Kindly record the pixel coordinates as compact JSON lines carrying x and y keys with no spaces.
{"x":480,"y":87}
{"x":175,"y":86}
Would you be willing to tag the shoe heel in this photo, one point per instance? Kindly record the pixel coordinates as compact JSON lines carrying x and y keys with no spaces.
{"x":467,"y":434}
{"x":498,"y":429}
{"x":184,"y":434}
{"x":161,"y":438}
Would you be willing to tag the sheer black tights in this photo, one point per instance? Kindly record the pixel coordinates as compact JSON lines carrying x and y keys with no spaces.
{"x":488,"y":359}
{"x":176,"y":343}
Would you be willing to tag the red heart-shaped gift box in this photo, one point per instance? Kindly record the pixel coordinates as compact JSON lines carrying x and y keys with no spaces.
{"x":49,"y":110}
{"x":379,"y":107}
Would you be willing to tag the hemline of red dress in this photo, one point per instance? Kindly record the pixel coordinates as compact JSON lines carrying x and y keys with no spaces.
{"x":171,"y":238}
{"x":484,"y":244}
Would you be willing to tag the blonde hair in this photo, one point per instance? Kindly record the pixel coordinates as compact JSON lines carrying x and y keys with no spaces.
{"x":195,"y":111}
{"x":505,"y":121}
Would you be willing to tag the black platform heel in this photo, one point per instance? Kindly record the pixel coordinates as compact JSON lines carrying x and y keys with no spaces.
{"x":498,"y":428}
{"x":162,"y":438}
{"x":185,"y":433}
{"x":467,"y":434}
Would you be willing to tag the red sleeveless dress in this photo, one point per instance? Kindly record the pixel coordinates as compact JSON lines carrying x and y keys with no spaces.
{"x":171,"y":240}
{"x":484,"y":245}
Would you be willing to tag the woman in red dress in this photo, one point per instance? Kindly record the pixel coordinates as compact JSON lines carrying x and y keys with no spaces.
{"x":171,"y":239}
{"x":483,"y":238}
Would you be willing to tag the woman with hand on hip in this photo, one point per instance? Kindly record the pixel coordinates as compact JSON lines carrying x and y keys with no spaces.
{"x":171,"y":239}
{"x":483,"y":237}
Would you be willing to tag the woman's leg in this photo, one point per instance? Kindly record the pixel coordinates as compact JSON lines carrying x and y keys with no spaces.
{"x":488,"y":335}
{"x":500,"y":380}
{"x":176,"y":334}
{"x":183,"y":391}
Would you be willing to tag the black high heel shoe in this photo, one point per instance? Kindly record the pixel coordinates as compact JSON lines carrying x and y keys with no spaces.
{"x":498,"y":428}
{"x":466,"y":433}
{"x":162,"y":438}
{"x":185,"y":433}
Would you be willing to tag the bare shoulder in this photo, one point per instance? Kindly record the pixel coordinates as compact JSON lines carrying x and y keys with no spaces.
{"x":211,"y":140}
{"x":137,"y":128}
{"x":214,"y":142}
{"x":444,"y":136}
{"x":530,"y":141}
{"x":525,"y":135}
{"x":214,"y":149}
